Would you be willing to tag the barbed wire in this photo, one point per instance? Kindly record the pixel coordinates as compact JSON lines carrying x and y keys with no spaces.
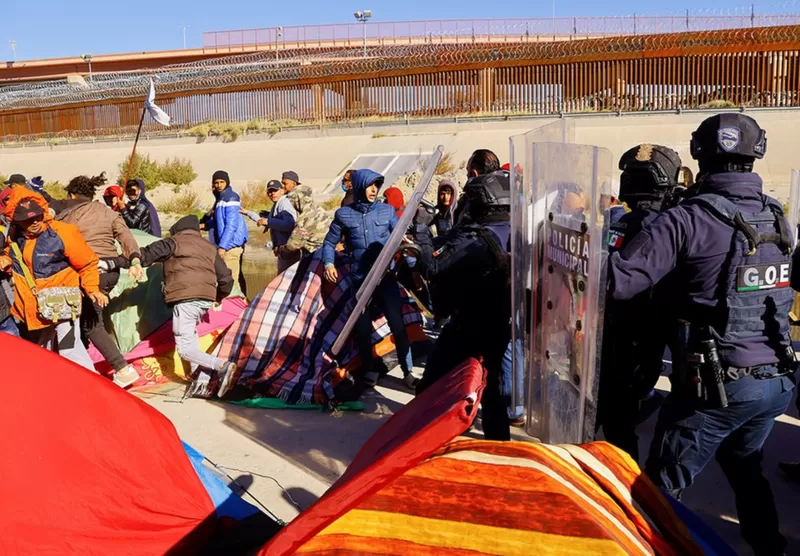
{"x":263,"y":69}
{"x":392,"y":32}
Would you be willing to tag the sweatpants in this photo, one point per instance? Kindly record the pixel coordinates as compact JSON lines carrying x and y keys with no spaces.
{"x":62,"y":338}
{"x":185,"y":317}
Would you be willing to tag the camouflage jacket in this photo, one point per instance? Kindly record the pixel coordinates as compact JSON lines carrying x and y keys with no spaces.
{"x":312,"y":221}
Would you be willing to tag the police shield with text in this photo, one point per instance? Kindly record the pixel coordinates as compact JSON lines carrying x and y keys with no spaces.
{"x":632,"y":353}
{"x":468,"y":272}
{"x":728,"y":249}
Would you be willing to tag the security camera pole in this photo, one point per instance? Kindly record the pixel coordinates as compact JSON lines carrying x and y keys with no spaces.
{"x":363,"y":17}
{"x":88,"y":59}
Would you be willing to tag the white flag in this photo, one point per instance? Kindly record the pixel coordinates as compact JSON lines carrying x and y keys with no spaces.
{"x":155,"y":112}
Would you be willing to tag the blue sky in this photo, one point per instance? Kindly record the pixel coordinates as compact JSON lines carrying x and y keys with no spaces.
{"x":57,"y":28}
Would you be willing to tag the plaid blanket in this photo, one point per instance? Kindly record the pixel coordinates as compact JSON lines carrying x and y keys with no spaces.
{"x":280,"y":341}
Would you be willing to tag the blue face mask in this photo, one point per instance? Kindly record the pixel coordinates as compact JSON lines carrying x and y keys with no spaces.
{"x":344,"y":188}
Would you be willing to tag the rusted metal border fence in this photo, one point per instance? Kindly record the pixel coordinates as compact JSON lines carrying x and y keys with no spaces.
{"x":500,"y":30}
{"x":754,"y":67}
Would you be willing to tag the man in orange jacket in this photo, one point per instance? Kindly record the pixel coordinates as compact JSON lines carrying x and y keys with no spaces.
{"x":49,"y":254}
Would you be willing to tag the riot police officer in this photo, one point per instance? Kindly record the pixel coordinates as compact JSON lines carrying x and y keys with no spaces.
{"x":729,"y":250}
{"x":632,"y":354}
{"x":468,"y":272}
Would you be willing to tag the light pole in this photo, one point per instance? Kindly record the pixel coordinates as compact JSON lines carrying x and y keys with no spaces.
{"x":185,"y":27}
{"x":88,"y":59}
{"x":278,"y":35}
{"x":13,"y":45}
{"x":363,"y":17}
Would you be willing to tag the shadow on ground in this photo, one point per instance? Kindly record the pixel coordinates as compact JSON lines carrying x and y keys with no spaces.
{"x":321,"y":443}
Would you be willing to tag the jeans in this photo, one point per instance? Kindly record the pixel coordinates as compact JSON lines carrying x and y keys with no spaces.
{"x":687,"y":437}
{"x":185,"y":317}
{"x":488,"y":340}
{"x":387,"y":298}
{"x":508,"y":378}
{"x":63,"y":339}
{"x":9,"y":326}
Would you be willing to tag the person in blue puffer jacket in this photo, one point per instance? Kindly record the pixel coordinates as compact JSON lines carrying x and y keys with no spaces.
{"x":366,"y":226}
{"x":226,"y":227}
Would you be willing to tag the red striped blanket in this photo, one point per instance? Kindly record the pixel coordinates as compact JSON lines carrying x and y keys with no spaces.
{"x":280,"y":341}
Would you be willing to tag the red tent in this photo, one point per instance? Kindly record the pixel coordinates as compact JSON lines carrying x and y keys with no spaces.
{"x":87,"y":468}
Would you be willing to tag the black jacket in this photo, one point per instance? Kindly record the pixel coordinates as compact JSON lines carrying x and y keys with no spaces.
{"x":468,"y":271}
{"x":137,"y":215}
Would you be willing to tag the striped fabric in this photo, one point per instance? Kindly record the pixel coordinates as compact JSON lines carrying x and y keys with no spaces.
{"x":281,"y":339}
{"x":513,"y":498}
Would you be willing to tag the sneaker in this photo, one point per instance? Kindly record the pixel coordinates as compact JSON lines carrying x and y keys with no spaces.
{"x":126,"y":377}
{"x":518,"y":422}
{"x":199,"y":388}
{"x":226,"y":380}
{"x":411,"y":380}
{"x":371,"y":378}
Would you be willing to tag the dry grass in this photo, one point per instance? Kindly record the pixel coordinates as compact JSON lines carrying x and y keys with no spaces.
{"x":185,"y":203}
{"x":55,"y":189}
{"x":255,"y":197}
{"x":446,"y":164}
{"x":331,"y":203}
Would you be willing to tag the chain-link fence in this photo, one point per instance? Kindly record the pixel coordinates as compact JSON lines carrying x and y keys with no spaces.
{"x":500,"y":30}
{"x":742,"y":67}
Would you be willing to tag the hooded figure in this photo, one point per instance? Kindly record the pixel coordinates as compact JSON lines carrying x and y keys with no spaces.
{"x":140,"y":214}
{"x":395,"y":199}
{"x":366,"y":226}
{"x":47,"y":255}
{"x":445,"y":207}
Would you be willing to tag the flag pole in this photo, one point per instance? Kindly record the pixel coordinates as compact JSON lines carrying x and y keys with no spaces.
{"x":133,"y":152}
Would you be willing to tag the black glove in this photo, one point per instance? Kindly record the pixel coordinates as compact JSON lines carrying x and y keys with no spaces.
{"x":423,"y":217}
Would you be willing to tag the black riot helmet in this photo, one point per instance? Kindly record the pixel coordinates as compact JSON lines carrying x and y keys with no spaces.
{"x":488,"y":194}
{"x":649,"y":173}
{"x":728,"y":143}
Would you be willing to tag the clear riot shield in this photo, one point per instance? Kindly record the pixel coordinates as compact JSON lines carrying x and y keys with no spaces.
{"x":568,"y":273}
{"x":794,"y":221}
{"x":561,"y":131}
{"x":794,"y":203}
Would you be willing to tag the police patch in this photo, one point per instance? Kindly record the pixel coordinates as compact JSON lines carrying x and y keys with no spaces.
{"x":616,"y":239}
{"x":762,"y":277}
{"x":729,"y":138}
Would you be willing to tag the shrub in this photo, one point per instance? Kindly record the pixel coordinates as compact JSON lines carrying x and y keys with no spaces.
{"x":445,"y":166}
{"x":254,"y":197}
{"x":177,"y":171}
{"x":332,"y":203}
{"x":143,"y":168}
{"x":718,"y":104}
{"x":55,"y":189}
{"x":185,"y":203}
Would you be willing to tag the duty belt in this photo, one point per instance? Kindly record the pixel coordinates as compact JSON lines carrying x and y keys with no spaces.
{"x":733,"y":374}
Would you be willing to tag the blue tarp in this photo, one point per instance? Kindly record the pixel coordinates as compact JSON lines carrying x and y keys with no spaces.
{"x":227,"y":503}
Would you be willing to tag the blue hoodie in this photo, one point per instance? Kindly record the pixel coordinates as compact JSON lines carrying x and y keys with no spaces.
{"x":366,"y":226}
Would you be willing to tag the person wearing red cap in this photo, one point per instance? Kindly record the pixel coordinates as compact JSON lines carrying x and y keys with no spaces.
{"x":113,"y":198}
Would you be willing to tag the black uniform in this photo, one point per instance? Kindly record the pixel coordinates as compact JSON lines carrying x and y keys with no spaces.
{"x":468,"y":273}
{"x":635,"y":331}
{"x":728,"y":249}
